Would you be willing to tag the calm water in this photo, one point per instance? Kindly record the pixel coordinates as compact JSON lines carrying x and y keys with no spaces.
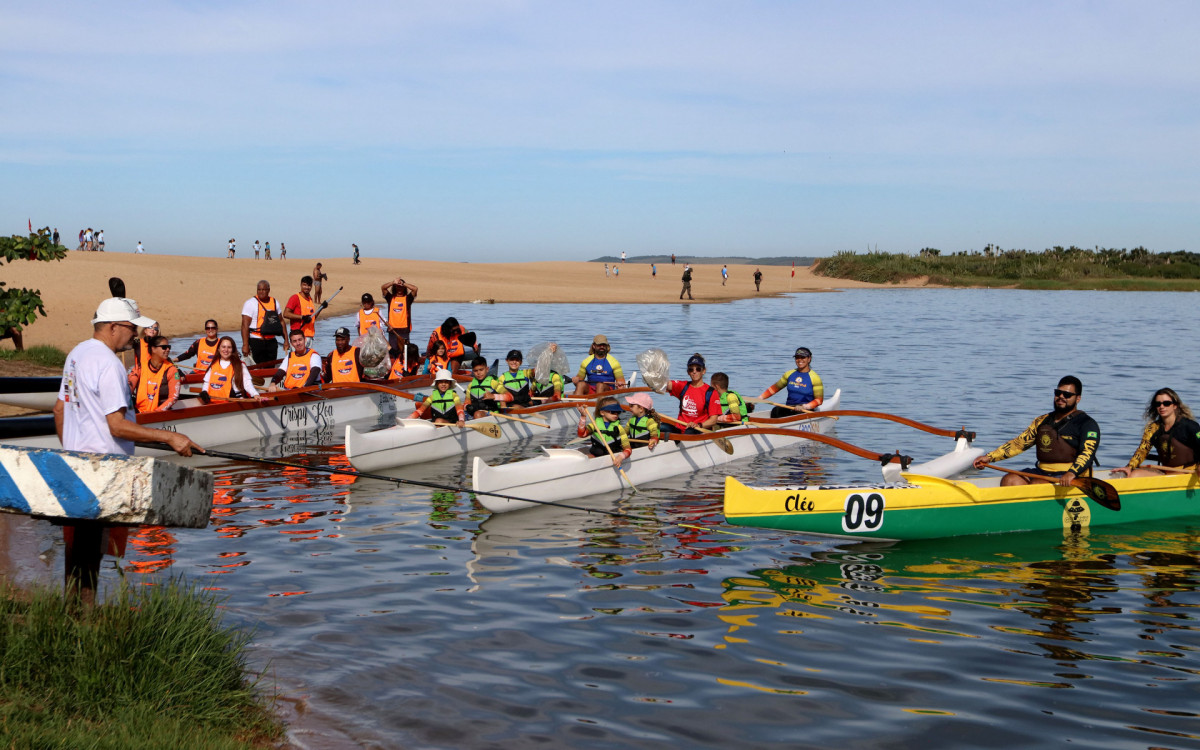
{"x":398,"y":617}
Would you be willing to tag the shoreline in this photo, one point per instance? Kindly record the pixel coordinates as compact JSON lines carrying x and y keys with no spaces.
{"x":72,"y":288}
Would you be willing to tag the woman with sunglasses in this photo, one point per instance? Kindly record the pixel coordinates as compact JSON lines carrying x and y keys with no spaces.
{"x":804,"y":387}
{"x":154,"y":381}
{"x":205,"y":349}
{"x":699,"y":403}
{"x":1172,"y":431}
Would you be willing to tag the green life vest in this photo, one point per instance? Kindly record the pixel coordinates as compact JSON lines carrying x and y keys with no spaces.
{"x":744,"y":413}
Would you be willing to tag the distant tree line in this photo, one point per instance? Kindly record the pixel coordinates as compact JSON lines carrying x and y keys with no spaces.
{"x":1057,"y":266}
{"x":698,"y":260}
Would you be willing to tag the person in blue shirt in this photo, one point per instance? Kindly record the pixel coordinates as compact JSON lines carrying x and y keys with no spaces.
{"x":805,"y":391}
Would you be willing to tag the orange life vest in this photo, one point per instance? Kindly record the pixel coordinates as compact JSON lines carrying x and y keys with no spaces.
{"x":297,"y":370}
{"x":307,"y":307}
{"x":153,"y":387}
{"x":263,"y":308}
{"x":454,"y":347}
{"x":220,"y":379}
{"x":398,"y":370}
{"x":368,"y":319}
{"x":398,"y":311}
{"x":342,"y":366}
{"x":205,"y":354}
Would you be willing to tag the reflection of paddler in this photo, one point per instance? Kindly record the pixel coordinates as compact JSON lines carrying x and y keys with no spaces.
{"x":154,"y":381}
{"x":343,"y":364}
{"x":205,"y":349}
{"x":599,"y":371}
{"x":1066,"y":440}
{"x":804,"y":387}
{"x":443,"y":405}
{"x":1172,"y":430}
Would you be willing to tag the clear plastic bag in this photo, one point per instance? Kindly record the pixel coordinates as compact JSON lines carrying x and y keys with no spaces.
{"x":655,"y":368}
{"x":373,"y":353}
{"x":546,"y":357}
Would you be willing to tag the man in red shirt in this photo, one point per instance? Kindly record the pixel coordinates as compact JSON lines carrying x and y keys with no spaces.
{"x":699,"y":403}
{"x":302,"y":311}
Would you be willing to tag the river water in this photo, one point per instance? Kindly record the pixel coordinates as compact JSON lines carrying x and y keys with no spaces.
{"x":393,"y":616}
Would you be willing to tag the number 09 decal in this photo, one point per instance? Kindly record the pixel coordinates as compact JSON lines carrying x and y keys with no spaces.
{"x":863,"y":512}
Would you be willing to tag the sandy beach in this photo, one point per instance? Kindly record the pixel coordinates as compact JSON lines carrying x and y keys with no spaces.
{"x":181,"y":292}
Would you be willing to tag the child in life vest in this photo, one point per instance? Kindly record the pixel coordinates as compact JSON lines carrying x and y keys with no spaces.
{"x":641,"y":426}
{"x":734,"y":409}
{"x":605,"y":429}
{"x":443,"y":405}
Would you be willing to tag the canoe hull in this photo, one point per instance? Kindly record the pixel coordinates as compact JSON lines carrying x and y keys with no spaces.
{"x":930,"y":508}
{"x":416,"y":440}
{"x":564,"y":474}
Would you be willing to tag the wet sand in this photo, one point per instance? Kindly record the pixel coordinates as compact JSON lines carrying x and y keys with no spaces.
{"x":181,"y":292}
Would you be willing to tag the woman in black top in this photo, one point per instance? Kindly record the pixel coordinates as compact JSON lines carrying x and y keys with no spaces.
{"x":1172,"y":431}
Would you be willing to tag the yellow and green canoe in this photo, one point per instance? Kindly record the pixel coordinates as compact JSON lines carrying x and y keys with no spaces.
{"x":924,"y":507}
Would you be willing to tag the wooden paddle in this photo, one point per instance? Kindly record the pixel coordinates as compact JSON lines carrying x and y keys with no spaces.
{"x":835,"y":413}
{"x":1167,"y":469}
{"x":607,"y":447}
{"x":720,"y":442}
{"x":894,"y":458}
{"x":753,"y":400}
{"x":533,"y":422}
{"x":491,"y":429}
{"x":1097,"y":489}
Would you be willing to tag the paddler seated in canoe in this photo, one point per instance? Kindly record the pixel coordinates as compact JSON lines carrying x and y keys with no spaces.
{"x":516,"y":384}
{"x":734,"y":410}
{"x":205,"y":349}
{"x":452,"y":334}
{"x":443,"y":406}
{"x":551,"y":390}
{"x":804,"y":388}
{"x":155,"y":381}
{"x":641,"y":425}
{"x":141,"y":349}
{"x":1066,"y":441}
{"x":699,"y":403}
{"x":301,"y":367}
{"x":1172,"y":431}
{"x":605,"y":429}
{"x":408,"y":363}
{"x":482,"y":390}
{"x":599,"y":371}
{"x":438,"y":359}
{"x":227,"y":377}
{"x":343,"y":365}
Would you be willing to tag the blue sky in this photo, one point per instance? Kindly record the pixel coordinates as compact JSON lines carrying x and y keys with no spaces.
{"x":512,"y":131}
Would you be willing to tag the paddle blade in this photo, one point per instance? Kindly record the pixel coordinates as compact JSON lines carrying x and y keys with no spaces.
{"x":655,"y":368}
{"x":1103,"y":493}
{"x":116,"y":286}
{"x":724,"y":444}
{"x":491,"y":429}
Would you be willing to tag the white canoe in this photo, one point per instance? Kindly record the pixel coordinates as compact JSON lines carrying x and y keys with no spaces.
{"x":415,"y":440}
{"x":38,"y":393}
{"x":563,"y":474}
{"x":221,"y":423}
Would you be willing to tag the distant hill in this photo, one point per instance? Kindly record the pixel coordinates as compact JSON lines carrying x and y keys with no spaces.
{"x":698,"y":260}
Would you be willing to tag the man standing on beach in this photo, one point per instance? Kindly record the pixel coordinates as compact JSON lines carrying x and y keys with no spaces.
{"x":232,"y":248}
{"x":302,"y":311}
{"x":100,"y":240}
{"x":92,"y":414}
{"x":724,"y":274}
{"x":356,"y":260}
{"x":318,"y":277}
{"x":687,"y":282}
{"x":257,"y":249}
{"x":258,"y":344}
{"x":653,"y":271}
{"x":54,"y":237}
{"x":757,"y":279}
{"x":139,"y":249}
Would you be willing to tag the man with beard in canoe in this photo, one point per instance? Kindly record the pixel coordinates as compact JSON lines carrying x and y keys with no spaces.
{"x":1066,"y":441}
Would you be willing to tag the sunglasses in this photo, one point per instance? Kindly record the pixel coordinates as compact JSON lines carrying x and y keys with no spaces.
{"x":127,"y":326}
{"x":1161,"y":404}
{"x":210,"y":328}
{"x":695,"y":368}
{"x":1064,"y":394}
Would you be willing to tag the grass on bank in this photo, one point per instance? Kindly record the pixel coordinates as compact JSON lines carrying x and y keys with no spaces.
{"x":1054,"y":268}
{"x":46,"y":356}
{"x":152,"y":667}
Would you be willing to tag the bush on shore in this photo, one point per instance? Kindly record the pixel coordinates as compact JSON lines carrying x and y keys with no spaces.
{"x":1054,"y":268}
{"x":152,"y":667}
{"x":45,"y":356}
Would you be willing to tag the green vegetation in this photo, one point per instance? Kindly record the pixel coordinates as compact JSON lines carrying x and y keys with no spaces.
{"x":700,"y":260}
{"x":150,"y":668}
{"x":20,"y":307}
{"x":1056,"y":268}
{"x":46,"y":356}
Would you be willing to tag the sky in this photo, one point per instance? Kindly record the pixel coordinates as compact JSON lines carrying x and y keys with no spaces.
{"x":511,"y":131}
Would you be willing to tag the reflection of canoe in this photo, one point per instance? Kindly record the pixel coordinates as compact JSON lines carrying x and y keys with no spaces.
{"x":220,"y":423}
{"x":38,"y":393}
{"x":563,"y":474}
{"x":927,"y":507}
{"x":414,"y":440}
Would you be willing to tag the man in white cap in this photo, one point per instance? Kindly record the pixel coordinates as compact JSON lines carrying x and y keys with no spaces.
{"x":92,"y":411}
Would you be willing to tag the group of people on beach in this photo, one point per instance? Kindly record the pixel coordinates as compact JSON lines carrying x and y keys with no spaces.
{"x":262,"y":251}
{"x":89,"y":240}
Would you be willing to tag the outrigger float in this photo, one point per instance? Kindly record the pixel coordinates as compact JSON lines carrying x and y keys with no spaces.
{"x":927,"y":507}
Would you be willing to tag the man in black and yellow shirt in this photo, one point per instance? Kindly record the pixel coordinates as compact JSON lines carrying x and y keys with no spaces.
{"x":1066,"y":440}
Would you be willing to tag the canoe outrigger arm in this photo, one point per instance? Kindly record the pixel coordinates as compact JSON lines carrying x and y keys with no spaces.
{"x":895,"y":458}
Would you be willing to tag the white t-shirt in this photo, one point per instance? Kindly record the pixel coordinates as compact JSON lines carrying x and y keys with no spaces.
{"x":94,"y":385}
{"x":250,"y":310}
{"x":223,"y":366}
{"x":140,"y":249}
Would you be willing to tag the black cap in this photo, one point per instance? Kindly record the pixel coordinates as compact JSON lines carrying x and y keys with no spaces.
{"x":343,"y":331}
{"x":696,"y":359}
{"x":515,"y":354}
{"x":803,"y":352}
{"x":367,"y":297}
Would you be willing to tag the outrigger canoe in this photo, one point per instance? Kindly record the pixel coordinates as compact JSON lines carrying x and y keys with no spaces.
{"x":563,"y":473}
{"x":412,"y":441}
{"x":925,"y":507}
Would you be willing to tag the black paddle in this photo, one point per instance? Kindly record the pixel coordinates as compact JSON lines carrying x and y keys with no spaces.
{"x":116,"y":286}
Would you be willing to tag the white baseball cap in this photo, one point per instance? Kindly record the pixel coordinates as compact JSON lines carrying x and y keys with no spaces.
{"x":121,"y":310}
{"x":443,"y":374}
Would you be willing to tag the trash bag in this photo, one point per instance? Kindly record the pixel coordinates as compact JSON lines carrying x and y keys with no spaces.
{"x":544,"y":360}
{"x":655,"y":369}
{"x":372,"y":347}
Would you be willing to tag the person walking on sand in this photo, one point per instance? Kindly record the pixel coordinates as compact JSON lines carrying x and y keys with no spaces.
{"x":139,"y":249}
{"x":282,"y":251}
{"x":232,"y":248}
{"x":257,"y":249}
{"x":687,"y":282}
{"x":672,"y":258}
{"x":356,"y":260}
{"x":606,"y":270}
{"x":724,"y":274}
{"x":54,"y":237}
{"x":318,"y":277}
{"x":266,"y":251}
{"x":653,"y":271}
{"x":622,"y":256}
{"x":757,"y":279}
